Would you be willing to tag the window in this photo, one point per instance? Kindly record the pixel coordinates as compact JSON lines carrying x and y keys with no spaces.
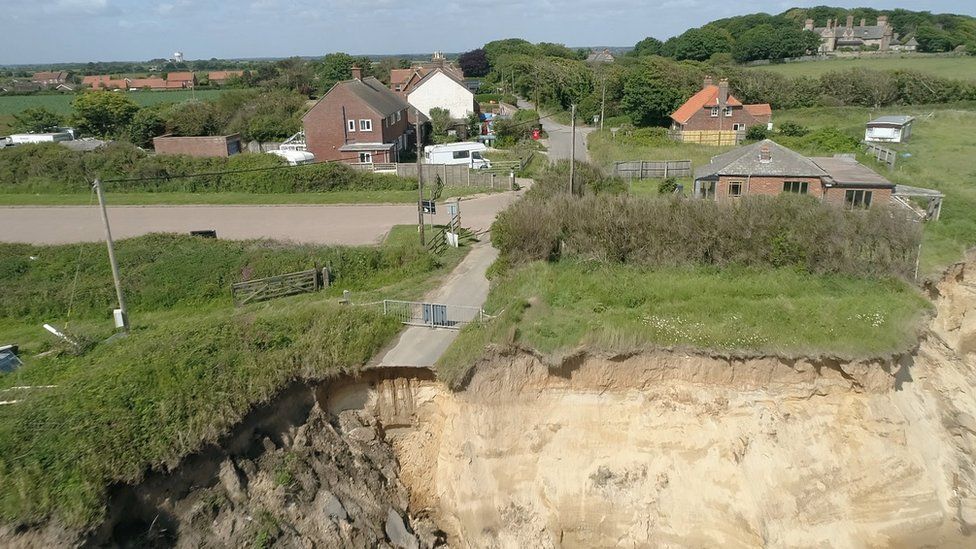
{"x":352,"y":125}
{"x":365,"y":125}
{"x":460,"y":154}
{"x":708,"y":190}
{"x":735,"y":189}
{"x":797,"y":187}
{"x":855,"y":200}
{"x":714,"y":112}
{"x":365,"y":158}
{"x":728,"y":111}
{"x":397,"y":117}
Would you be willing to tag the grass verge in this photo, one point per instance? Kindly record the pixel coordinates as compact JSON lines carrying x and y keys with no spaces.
{"x":555,"y":308}
{"x":231,"y":198}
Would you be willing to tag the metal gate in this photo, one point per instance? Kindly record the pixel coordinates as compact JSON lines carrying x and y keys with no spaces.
{"x":433,"y":315}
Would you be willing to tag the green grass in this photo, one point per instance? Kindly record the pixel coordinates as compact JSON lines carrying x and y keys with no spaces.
{"x":941,"y":150}
{"x":193,"y":364}
{"x":178,"y":198}
{"x":13,"y":104}
{"x":555,"y":308}
{"x":958,"y":68}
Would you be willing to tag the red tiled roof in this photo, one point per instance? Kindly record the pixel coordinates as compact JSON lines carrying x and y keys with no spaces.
{"x":105,"y":81}
{"x":44,"y":76}
{"x":224,"y":75}
{"x":762,"y":109}
{"x":155,"y":83}
{"x":707,"y":96}
{"x":181,"y":76}
{"x":175,"y":83}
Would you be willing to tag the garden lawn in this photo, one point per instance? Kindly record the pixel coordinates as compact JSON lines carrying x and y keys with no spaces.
{"x":555,"y":308}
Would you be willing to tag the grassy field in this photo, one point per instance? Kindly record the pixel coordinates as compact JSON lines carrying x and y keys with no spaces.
{"x":960,"y":68}
{"x":939,"y":157}
{"x":166,"y":198}
{"x":555,"y":308}
{"x":192,"y":366}
{"x":12,"y":104}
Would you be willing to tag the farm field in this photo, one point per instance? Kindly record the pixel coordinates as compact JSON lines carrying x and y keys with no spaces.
{"x":961,"y":68}
{"x":12,"y":104}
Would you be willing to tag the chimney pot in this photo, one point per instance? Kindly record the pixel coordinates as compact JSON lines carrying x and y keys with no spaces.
{"x":357,"y":73}
{"x":708,"y":81}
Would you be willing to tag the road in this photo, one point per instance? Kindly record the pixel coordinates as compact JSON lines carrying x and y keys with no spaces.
{"x":312,"y":224}
{"x":421,"y":347}
{"x":560,"y":137}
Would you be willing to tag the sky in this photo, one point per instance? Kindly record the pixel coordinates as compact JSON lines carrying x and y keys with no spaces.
{"x":52,"y":31}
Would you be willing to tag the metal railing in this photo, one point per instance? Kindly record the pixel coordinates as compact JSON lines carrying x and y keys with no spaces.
{"x":433,"y":315}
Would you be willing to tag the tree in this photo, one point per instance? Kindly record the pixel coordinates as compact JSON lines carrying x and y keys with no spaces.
{"x":146,"y":124}
{"x":193,"y":118}
{"x":700,"y":44}
{"x":648,"y":46}
{"x":474,"y":63}
{"x":440,"y":121}
{"x":655,"y":88}
{"x":37,"y":120}
{"x":336,"y":67}
{"x":103,"y":114}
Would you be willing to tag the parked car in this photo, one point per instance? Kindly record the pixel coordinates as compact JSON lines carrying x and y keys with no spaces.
{"x":467,"y":153}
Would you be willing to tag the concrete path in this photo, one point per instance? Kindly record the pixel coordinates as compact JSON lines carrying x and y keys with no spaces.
{"x":560,"y":138}
{"x":314,"y":224}
{"x":421,"y":347}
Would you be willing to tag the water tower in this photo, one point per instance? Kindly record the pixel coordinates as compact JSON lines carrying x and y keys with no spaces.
{"x":178,"y":57}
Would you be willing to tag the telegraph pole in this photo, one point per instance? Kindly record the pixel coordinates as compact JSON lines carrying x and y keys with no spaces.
{"x":111,"y":256}
{"x":572,"y":153}
{"x":420,"y":179}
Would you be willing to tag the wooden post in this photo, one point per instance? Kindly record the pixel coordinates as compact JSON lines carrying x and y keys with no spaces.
{"x":572,"y":151}
{"x":666,"y":163}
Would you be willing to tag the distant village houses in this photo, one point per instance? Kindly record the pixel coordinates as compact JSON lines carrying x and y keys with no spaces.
{"x":173,"y":81}
{"x":881,"y":36}
{"x":598,"y":57}
{"x":50,"y":79}
{"x":715,"y":117}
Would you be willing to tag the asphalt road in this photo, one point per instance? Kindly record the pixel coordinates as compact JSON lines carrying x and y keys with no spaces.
{"x":560,"y":137}
{"x":314,"y":224}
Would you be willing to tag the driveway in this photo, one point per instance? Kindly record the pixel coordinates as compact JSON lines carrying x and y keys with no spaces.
{"x":314,"y":224}
{"x":560,"y":137}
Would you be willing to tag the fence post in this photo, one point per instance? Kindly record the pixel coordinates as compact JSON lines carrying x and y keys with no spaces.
{"x":384,"y":307}
{"x":666,"y":164}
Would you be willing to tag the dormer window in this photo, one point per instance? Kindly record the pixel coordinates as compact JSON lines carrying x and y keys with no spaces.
{"x":714,"y":112}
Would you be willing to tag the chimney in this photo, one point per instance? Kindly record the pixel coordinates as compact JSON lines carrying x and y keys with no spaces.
{"x":357,"y":73}
{"x":882,"y":20}
{"x":864,"y":22}
{"x":723,"y":92}
{"x":850,"y":21}
{"x":765,"y":154}
{"x":808,"y":25}
{"x":708,"y":81}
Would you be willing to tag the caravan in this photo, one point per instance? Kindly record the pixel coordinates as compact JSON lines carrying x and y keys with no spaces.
{"x":470,"y":154}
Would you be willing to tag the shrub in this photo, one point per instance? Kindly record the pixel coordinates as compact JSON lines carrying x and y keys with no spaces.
{"x":757,"y":133}
{"x":668,"y":186}
{"x":786,"y":231}
{"x":792,"y":129}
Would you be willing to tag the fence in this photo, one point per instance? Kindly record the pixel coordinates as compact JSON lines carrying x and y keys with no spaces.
{"x":433,"y":315}
{"x":714,"y":138}
{"x":263,"y":289}
{"x":883,"y":155}
{"x":450,"y":175}
{"x":644,"y":169}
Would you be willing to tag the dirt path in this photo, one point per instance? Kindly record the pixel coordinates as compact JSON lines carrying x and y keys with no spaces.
{"x":315,"y":224}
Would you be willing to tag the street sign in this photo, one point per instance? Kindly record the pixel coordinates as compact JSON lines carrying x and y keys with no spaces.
{"x":428,"y":206}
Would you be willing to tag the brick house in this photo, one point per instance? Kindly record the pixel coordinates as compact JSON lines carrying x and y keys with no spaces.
{"x":220,"y":78}
{"x":154,"y":83}
{"x":357,"y":121}
{"x":714,"y":117}
{"x":105,"y":82}
{"x":767,"y":168}
{"x":180,"y":80}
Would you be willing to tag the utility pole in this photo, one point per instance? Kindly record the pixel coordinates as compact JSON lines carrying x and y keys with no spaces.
{"x":420,"y":179}
{"x":603,"y":102}
{"x":572,"y":153}
{"x":111,"y":258}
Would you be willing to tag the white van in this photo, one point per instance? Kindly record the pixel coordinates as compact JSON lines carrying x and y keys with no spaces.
{"x":294,"y":157}
{"x":467,"y":153}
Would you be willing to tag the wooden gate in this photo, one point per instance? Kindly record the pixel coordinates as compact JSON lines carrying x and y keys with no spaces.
{"x":263,"y":289}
